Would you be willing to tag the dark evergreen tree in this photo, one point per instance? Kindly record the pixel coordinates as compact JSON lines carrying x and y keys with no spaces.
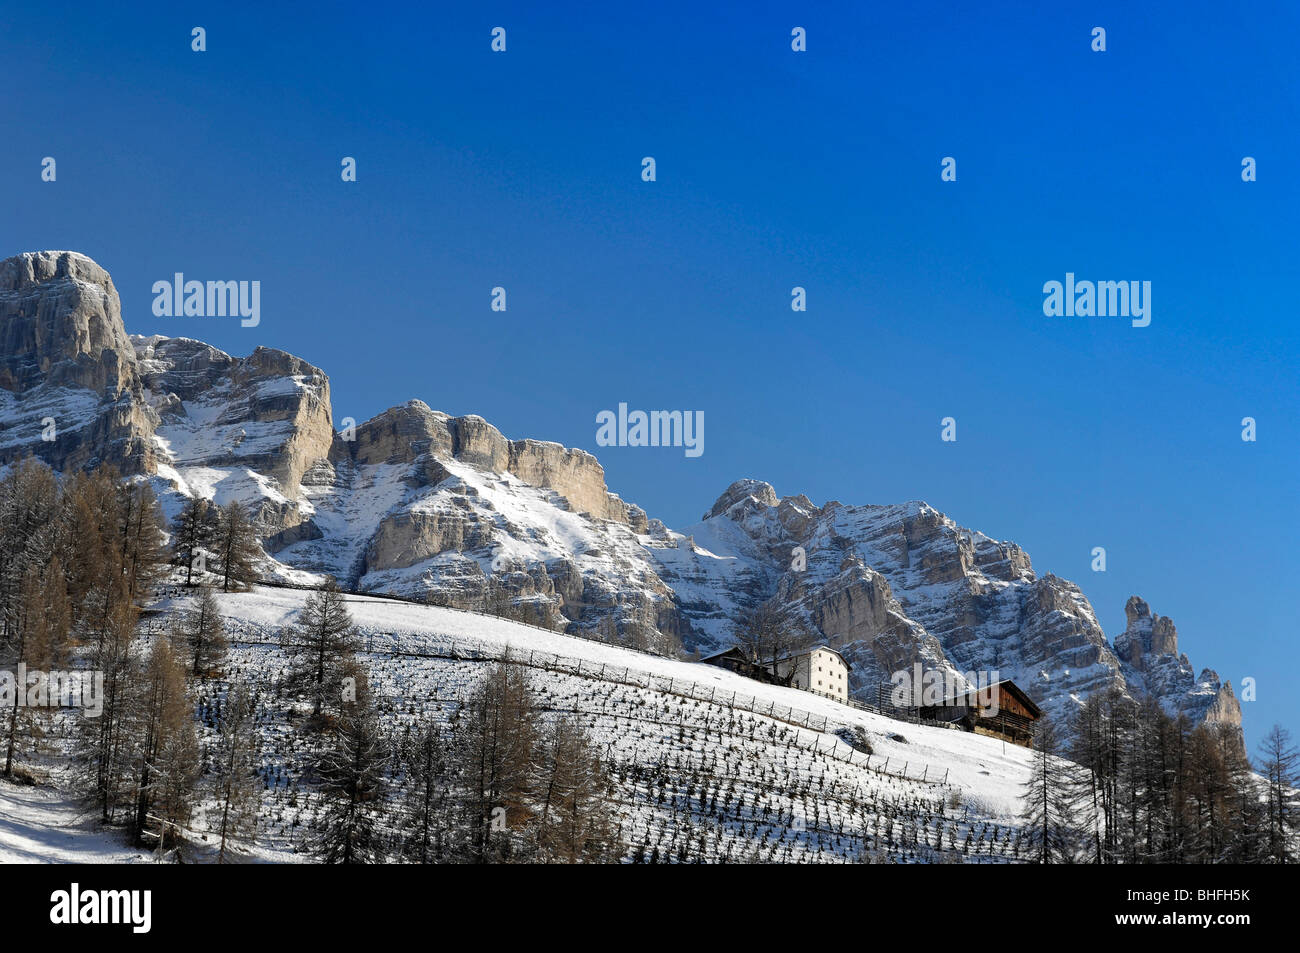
{"x":1278,"y":760}
{"x":321,"y":647}
{"x":204,"y":634}
{"x":192,"y":538}
{"x":426,"y":763}
{"x":235,"y":546}
{"x":351,"y":772}
{"x":1046,"y":801}
{"x":235,"y":785}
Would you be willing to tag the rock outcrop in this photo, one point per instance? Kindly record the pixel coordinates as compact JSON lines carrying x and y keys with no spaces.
{"x":268,"y":412}
{"x":413,"y":432}
{"x":1152,"y":664}
{"x":420,"y":503}
{"x":70,"y":391}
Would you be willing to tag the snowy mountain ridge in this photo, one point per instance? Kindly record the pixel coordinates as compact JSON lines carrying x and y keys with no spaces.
{"x":418,"y":503}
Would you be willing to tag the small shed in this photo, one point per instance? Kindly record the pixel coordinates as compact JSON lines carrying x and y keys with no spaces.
{"x":735,"y":660}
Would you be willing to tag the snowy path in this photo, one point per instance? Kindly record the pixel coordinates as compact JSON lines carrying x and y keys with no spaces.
{"x":42,"y":826}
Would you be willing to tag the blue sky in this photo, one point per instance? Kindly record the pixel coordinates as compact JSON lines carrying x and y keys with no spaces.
{"x":775,"y":169}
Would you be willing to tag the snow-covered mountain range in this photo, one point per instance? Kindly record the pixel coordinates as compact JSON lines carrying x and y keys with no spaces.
{"x":418,"y":503}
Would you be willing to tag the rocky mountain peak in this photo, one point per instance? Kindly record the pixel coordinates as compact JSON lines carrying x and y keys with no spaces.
{"x":1147,"y":634}
{"x":1152,"y":664}
{"x":741,"y":491}
{"x":61,"y":325}
{"x":66,"y":362}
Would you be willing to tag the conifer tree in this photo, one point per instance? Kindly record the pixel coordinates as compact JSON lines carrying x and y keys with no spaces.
{"x":1278,"y":760}
{"x":103,"y":749}
{"x":192,"y":536}
{"x":1046,"y":803}
{"x":426,"y":763}
{"x":38,"y":639}
{"x":351,"y":772}
{"x":574,"y":815}
{"x":321,"y":647}
{"x":235,"y":545}
{"x":498,"y":756}
{"x":143,"y":544}
{"x":163,"y":748}
{"x":235,"y":785}
{"x":204,"y":634}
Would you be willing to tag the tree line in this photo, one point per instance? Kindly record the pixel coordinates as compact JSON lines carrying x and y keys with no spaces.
{"x":81,"y":557}
{"x":1123,"y":781}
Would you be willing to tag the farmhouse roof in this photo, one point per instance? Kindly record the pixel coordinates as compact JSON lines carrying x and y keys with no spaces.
{"x":1005,"y":685}
{"x":814,"y":648}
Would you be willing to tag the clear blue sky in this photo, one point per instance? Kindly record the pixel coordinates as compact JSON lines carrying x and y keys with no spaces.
{"x":775,"y":169}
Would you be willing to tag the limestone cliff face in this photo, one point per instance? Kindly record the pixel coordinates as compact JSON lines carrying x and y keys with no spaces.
{"x":413,"y":433}
{"x":61,"y":325}
{"x":146,"y":405}
{"x":71,"y":393}
{"x":420,"y":503}
{"x":1146,"y":635}
{"x":268,"y":412}
{"x":857,"y":613}
{"x":400,"y":435}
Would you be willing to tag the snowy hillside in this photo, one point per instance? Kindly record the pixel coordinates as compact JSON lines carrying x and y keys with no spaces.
{"x":760,"y":771}
{"x":708,"y":765}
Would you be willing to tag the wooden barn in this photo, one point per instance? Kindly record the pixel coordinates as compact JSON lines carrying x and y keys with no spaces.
{"x":1001,"y":710}
{"x":735,"y":660}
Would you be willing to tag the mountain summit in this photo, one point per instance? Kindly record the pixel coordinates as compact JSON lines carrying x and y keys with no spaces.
{"x":418,"y":503}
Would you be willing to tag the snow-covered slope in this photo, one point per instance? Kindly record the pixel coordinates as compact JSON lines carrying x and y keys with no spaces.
{"x":41,"y":825}
{"x":676,"y":734}
{"x":707,"y":765}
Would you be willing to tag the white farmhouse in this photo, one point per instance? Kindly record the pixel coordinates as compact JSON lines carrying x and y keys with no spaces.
{"x":820,"y":669}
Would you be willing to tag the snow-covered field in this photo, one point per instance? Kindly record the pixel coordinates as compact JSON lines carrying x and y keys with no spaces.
{"x":707,"y":764}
